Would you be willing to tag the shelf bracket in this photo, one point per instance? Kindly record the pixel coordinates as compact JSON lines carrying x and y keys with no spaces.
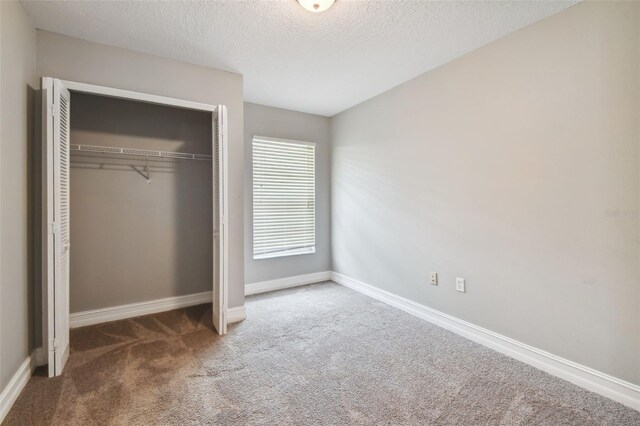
{"x":146,"y":169}
{"x":145,"y":173}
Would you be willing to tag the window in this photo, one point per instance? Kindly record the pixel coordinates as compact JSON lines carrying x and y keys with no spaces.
{"x":284,"y":197}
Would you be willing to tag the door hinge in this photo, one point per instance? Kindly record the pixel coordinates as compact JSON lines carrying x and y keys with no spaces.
{"x":54,"y":228}
{"x":52,"y":345}
{"x":53,"y":109}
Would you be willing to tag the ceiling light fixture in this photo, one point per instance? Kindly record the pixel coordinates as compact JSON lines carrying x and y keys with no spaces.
{"x":316,"y":5}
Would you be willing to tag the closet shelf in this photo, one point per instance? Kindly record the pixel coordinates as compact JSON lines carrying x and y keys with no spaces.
{"x":142,"y":154}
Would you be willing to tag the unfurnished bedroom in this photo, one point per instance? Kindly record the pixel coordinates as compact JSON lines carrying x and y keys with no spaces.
{"x":319,"y":212}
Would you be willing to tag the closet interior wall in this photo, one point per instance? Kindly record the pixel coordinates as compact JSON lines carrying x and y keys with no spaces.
{"x":134,"y":241}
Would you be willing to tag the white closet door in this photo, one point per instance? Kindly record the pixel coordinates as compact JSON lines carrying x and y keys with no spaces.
{"x":220,"y":280}
{"x":56,"y":116}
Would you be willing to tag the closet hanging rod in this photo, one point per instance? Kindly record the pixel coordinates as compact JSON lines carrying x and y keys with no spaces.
{"x":139,"y":153}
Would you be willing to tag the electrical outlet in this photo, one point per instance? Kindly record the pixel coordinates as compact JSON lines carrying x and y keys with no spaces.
{"x":434,"y":278}
{"x":460,"y":284}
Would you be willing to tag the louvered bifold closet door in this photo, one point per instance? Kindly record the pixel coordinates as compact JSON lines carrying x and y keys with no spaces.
{"x":283,"y":197}
{"x":219,"y":150}
{"x":62,"y":240}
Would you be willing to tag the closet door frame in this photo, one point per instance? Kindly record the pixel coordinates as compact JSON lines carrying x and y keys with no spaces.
{"x":220,"y":239}
{"x":48,"y":258}
{"x":54,"y":310}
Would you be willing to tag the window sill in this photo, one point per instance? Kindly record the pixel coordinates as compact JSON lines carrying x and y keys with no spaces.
{"x":285,"y":253}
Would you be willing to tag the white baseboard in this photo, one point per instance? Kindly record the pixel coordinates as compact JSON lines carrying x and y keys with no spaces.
{"x":585,"y":377}
{"x":97,"y":316}
{"x":288,"y":282}
{"x":236,"y":314}
{"x":15,"y":386}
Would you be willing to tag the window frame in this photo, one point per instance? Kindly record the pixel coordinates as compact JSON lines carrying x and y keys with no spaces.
{"x":288,"y":252}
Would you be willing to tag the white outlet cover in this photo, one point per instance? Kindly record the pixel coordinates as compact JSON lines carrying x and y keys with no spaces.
{"x":433,"y":276}
{"x":460,"y":284}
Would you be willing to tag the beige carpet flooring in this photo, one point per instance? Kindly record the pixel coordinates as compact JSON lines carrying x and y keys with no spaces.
{"x":320,"y":354}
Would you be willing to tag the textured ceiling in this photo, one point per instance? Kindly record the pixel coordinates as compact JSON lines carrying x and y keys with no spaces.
{"x":291,"y":58}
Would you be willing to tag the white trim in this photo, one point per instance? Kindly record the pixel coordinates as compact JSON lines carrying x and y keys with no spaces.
{"x":286,"y":253}
{"x":223,"y":164}
{"x":281,"y":283}
{"x":47,"y":219}
{"x":268,"y":139}
{"x":15,"y":386}
{"x":236,"y":314}
{"x":97,"y":316}
{"x":611,"y":387}
{"x":136,"y":96}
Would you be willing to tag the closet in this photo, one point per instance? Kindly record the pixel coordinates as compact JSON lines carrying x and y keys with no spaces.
{"x":134,"y":200}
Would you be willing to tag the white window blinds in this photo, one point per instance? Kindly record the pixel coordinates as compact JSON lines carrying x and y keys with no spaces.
{"x":284,"y":201}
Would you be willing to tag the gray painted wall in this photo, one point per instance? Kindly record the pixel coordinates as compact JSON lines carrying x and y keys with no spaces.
{"x":18,"y":85}
{"x":133,"y":241}
{"x":77,"y":60}
{"x":280,"y":123}
{"x":500,"y":167}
